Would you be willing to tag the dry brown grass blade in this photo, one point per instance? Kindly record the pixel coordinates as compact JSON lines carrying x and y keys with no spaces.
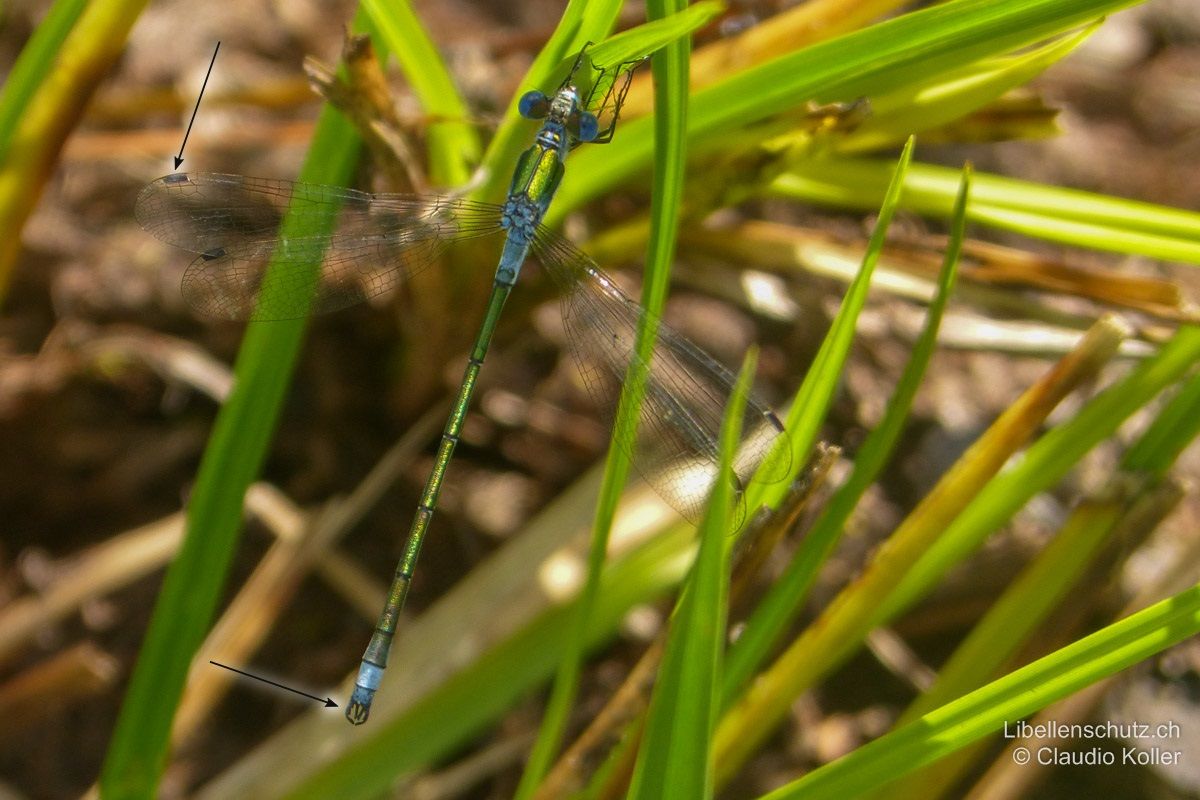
{"x":96,"y":572}
{"x":44,"y":689}
{"x":907,"y":270}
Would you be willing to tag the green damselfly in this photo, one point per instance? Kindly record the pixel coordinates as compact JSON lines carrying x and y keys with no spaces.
{"x":248,"y":269}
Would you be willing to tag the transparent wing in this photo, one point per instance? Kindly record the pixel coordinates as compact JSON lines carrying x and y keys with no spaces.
{"x":686,"y":390}
{"x":374,"y":241}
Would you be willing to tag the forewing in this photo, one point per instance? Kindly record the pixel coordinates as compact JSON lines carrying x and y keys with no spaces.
{"x":686,"y":390}
{"x":374,"y":241}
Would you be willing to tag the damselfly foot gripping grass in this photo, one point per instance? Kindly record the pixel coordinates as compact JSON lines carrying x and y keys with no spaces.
{"x":272,"y":249}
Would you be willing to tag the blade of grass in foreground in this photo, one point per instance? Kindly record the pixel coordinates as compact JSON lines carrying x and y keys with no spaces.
{"x":844,"y":623}
{"x":235,"y":452}
{"x":1013,"y":697}
{"x":785,"y":598}
{"x":675,"y":759}
{"x":671,"y":76}
{"x":812,"y":401}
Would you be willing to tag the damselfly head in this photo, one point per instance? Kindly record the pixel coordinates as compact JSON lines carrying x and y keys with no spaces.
{"x":587,"y":102}
{"x":563,"y":109}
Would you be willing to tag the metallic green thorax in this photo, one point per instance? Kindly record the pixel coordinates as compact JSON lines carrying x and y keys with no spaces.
{"x":538,"y":173}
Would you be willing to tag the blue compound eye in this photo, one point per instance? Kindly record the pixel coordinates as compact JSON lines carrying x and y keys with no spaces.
{"x":534,"y":105}
{"x":589,"y":126}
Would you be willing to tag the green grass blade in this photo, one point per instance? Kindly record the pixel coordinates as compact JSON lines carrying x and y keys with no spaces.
{"x":812,"y":401}
{"x":952,"y":95}
{"x":235,"y":452}
{"x":1045,"y":463}
{"x":454,"y":147}
{"x":1070,"y":216}
{"x":643,"y":40}
{"x":675,"y":760}
{"x":903,"y":50}
{"x":1173,"y":429}
{"x":778,"y":608}
{"x":43,"y":100}
{"x":670,"y":70}
{"x":1036,"y":592}
{"x":33,"y":65}
{"x":1012,"y":697}
{"x":846,"y":621}
{"x":1009,"y":625}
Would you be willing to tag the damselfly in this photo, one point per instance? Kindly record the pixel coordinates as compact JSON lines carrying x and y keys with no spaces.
{"x":371,"y":243}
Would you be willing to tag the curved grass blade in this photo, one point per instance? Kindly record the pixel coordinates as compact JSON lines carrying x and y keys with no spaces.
{"x":675,"y":759}
{"x":1015,"y":696}
{"x":786,"y":596}
{"x":1070,"y":216}
{"x":43,"y":99}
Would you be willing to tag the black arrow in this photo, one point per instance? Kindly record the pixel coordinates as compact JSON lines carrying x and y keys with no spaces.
{"x":327,"y":701}
{"x":179,"y":158}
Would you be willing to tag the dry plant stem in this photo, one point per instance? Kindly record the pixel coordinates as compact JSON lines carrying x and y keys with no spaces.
{"x":1000,"y":264}
{"x":248,"y":619}
{"x":856,"y":610}
{"x":764,"y":540}
{"x":994,"y":264}
{"x":298,"y":549}
{"x":98,"y":571}
{"x":364,"y":97}
{"x":1006,"y":779}
{"x":457,"y":780}
{"x":908,"y":270}
{"x":46,"y":688}
{"x":174,"y":359}
{"x":114,"y":564}
{"x":625,"y":708}
{"x":631,"y":699}
{"x":898,"y":658}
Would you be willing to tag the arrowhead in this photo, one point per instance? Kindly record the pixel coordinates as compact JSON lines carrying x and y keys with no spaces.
{"x":178,"y":161}
{"x":329,"y":703}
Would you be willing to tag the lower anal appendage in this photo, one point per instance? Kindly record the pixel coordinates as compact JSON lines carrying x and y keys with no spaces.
{"x":359,"y":708}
